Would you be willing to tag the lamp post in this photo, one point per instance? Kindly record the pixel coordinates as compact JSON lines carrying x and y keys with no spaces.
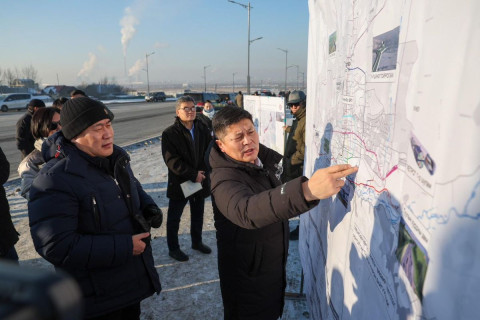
{"x":205,"y":76}
{"x":148,"y":80}
{"x":296,"y":66}
{"x":286,"y":68}
{"x":248,"y":75}
{"x":248,"y":7}
{"x":233,"y":83}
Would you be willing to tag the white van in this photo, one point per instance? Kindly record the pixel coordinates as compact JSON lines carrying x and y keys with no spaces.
{"x":14,"y":101}
{"x":20,"y":101}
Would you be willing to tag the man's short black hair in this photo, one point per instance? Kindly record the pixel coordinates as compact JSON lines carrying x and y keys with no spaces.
{"x":78,"y":92}
{"x":183,"y":99}
{"x":59,"y":101}
{"x":226,"y":117}
{"x":35,"y":103}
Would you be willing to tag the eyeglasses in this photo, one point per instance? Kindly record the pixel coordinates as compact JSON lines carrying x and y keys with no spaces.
{"x":187,"y":109}
{"x":53,"y":125}
{"x":294,"y":105}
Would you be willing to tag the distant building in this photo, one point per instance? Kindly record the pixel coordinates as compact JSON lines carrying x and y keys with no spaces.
{"x":103,"y":90}
{"x":58,"y":91}
{"x":23,"y":83}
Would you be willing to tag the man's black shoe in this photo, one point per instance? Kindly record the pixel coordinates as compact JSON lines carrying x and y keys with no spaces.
{"x":202,"y":248}
{"x":178,"y":255}
{"x":294,"y":233}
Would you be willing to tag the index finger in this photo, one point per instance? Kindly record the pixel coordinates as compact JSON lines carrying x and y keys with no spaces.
{"x":338,"y":168}
{"x":344,"y":173}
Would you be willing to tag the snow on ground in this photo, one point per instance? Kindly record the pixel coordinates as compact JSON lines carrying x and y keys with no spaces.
{"x":191,"y":290}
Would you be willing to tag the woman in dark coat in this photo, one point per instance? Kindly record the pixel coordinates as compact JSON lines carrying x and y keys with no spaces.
{"x":251,"y":210}
{"x":8,"y":234}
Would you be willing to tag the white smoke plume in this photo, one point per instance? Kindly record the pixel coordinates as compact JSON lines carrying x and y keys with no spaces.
{"x":128,"y":23}
{"x":139,"y":65}
{"x":88,"y":65}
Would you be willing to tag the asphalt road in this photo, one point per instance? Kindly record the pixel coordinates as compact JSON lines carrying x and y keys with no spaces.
{"x":132,"y":122}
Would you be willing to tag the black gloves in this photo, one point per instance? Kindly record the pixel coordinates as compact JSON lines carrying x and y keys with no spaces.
{"x":153,"y":215}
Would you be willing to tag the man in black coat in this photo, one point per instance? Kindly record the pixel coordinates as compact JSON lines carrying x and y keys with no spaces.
{"x":8,"y":234}
{"x":251,"y":209}
{"x":24,"y":137}
{"x":183,"y":148}
{"x":90,"y":217}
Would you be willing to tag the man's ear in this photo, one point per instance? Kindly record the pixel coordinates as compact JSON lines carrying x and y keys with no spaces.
{"x":220,"y":144}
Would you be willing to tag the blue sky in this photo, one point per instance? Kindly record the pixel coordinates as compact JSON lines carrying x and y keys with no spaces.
{"x":81,"y":41}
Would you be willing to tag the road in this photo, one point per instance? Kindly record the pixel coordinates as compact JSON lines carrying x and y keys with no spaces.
{"x":132,"y":122}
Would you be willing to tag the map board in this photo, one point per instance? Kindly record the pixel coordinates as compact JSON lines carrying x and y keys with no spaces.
{"x":268,"y":115}
{"x":393,"y":87}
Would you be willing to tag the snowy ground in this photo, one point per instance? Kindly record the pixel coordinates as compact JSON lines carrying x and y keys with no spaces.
{"x":191,"y":290}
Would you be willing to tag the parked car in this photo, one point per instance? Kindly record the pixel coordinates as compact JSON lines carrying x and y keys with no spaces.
{"x":19,"y":101}
{"x":156,"y":97}
{"x":201,"y":97}
{"x":227,"y":99}
{"x":14,"y":101}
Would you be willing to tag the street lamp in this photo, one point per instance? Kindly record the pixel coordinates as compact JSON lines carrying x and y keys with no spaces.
{"x":248,"y":75}
{"x":295,"y":65}
{"x":205,"y":76}
{"x":148,"y":80}
{"x":286,"y":68}
{"x":233,"y":83}
{"x":248,"y":7}
{"x":303,"y":80}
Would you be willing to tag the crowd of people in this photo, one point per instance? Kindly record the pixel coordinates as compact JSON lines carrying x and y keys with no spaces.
{"x":89,"y":215}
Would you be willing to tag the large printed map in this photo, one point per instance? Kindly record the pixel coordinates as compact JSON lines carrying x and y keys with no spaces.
{"x":393,"y":88}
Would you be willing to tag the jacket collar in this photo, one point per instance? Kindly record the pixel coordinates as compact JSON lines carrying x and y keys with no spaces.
{"x":301,"y":113}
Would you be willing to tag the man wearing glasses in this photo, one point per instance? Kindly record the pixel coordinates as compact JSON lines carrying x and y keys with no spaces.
{"x":295,"y":146}
{"x":183,"y":148}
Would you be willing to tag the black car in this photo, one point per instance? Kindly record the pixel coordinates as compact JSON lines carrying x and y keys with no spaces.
{"x":156,"y":97}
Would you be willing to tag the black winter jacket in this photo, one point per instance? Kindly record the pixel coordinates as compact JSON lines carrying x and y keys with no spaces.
{"x":251,"y":210}
{"x":24,"y":137}
{"x":83,"y":212}
{"x":185,"y":158}
{"x":8,"y":234}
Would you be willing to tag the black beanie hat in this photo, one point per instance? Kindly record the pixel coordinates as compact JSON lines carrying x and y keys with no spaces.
{"x":80,"y":113}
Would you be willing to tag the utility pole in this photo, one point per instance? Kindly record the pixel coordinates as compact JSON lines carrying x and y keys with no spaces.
{"x":286,"y":68}
{"x":248,"y":7}
{"x":233,"y":83}
{"x":205,"y":76}
{"x":148,"y":79}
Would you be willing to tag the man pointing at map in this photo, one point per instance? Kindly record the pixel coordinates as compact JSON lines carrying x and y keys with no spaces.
{"x":251,"y":209}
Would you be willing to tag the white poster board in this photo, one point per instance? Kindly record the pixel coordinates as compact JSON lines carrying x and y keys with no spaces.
{"x":269,"y":118}
{"x":393,"y":88}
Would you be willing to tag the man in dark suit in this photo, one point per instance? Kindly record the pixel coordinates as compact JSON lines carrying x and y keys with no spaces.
{"x":183,"y":148}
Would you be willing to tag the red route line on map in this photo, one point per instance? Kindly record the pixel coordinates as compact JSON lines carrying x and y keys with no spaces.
{"x":395,"y":167}
{"x":377,"y":191}
{"x":364,"y":144}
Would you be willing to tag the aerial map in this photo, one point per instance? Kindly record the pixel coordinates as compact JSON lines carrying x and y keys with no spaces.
{"x":393,"y":89}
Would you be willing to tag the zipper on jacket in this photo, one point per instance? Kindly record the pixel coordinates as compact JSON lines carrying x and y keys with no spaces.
{"x":96,"y":213}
